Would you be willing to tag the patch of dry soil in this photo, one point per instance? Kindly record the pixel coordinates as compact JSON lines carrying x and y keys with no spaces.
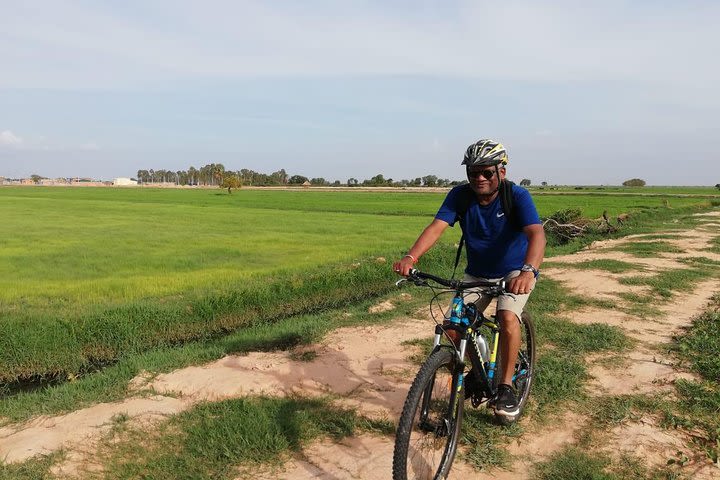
{"x":368,"y":369}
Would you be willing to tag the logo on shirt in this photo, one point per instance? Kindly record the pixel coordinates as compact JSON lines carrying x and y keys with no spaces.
{"x":500,"y":214}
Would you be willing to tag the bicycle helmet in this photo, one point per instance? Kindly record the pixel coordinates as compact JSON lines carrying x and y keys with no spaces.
{"x":485,"y":153}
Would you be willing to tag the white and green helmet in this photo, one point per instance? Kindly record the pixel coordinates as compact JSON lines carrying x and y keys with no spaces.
{"x":485,"y":153}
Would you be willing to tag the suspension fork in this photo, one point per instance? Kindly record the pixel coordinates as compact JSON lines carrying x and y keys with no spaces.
{"x":458,"y":378}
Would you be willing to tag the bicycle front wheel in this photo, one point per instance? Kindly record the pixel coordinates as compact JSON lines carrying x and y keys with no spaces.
{"x":429,"y":427}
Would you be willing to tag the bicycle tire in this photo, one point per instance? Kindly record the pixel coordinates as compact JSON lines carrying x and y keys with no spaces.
{"x":436,"y":433}
{"x":524,"y":367}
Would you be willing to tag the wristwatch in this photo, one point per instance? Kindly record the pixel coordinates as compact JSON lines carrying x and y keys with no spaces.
{"x":529,"y":268}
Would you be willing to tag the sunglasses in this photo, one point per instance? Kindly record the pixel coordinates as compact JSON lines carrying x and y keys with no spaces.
{"x":488,"y":174}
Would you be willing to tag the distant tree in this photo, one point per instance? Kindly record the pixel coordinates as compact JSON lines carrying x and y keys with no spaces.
{"x":634,"y":182}
{"x":230,"y":182}
{"x":376,"y":181}
{"x":217,"y":172}
{"x":297,"y":180}
{"x":36,"y":178}
{"x":336,"y":183}
{"x":717,"y":186}
{"x":430,"y":180}
{"x":352,"y":182}
{"x":279,"y":178}
{"x":544,"y":184}
{"x":525,"y":182}
{"x":417,"y":182}
{"x":318,"y":181}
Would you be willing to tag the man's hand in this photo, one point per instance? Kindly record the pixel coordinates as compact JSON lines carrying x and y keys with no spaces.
{"x":403,"y":266}
{"x":522,"y":284}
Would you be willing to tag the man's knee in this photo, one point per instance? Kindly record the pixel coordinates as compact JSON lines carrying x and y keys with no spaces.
{"x":508,"y":321}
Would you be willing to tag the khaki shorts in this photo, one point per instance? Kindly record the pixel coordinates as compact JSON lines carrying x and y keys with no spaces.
{"x":508,"y":301}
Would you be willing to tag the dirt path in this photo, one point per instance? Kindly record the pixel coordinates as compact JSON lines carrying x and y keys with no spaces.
{"x":368,"y":369}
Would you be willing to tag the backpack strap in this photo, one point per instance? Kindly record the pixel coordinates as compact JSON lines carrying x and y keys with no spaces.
{"x":465,"y":198}
{"x":508,"y":203}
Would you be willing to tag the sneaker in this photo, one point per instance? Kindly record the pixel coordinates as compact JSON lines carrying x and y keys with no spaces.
{"x":506,"y":404}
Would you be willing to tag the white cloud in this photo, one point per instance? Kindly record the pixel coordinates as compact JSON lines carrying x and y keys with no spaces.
{"x":9,"y":139}
{"x":662,"y":46}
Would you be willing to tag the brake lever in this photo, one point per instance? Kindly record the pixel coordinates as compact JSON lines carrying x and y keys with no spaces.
{"x":401,"y":281}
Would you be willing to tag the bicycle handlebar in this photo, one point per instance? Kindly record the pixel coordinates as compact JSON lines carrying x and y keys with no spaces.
{"x":416,"y":275}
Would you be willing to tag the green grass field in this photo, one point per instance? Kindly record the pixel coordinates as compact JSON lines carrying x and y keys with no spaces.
{"x":68,"y":248}
{"x":88,"y":275}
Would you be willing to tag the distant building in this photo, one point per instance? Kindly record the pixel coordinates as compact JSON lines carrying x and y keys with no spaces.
{"x":124,"y":182}
{"x":85,"y":182}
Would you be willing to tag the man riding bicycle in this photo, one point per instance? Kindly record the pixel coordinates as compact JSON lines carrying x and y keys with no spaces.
{"x":499,"y":244}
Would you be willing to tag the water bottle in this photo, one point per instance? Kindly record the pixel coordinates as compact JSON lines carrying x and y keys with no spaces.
{"x":482,"y":347}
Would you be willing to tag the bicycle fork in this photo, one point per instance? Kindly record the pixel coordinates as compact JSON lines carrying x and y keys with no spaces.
{"x":456,"y":386}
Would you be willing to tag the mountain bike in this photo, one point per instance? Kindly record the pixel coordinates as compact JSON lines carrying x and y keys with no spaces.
{"x":429,"y":428}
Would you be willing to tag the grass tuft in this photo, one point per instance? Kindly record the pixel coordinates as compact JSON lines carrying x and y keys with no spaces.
{"x":647,"y":249}
{"x":667,"y":282}
{"x":606,"y":264}
{"x":573,"y":464}
{"x":210,"y":440}
{"x":700,"y":345}
{"x":484,"y":441}
{"x":37,"y":468}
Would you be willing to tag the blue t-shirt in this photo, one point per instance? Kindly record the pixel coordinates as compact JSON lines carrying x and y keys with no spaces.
{"x":494,"y":246}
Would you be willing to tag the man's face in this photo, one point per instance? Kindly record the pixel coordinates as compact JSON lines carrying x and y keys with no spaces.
{"x":484,"y":180}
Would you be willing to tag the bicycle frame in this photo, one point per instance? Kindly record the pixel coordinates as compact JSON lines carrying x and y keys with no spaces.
{"x":469,"y":332}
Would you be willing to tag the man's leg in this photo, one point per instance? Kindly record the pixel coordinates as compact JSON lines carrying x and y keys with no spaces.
{"x":509,"y":344}
{"x":509,"y":310}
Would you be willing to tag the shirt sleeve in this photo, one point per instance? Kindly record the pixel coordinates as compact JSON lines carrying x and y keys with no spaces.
{"x":526,"y":212}
{"x":448,"y":209}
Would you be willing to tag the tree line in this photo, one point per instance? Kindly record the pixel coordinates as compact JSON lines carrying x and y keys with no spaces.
{"x":211,"y":174}
{"x":215,"y":174}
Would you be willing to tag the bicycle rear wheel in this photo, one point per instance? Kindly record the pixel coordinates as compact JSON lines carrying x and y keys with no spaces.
{"x":429,"y":426}
{"x":524,"y":367}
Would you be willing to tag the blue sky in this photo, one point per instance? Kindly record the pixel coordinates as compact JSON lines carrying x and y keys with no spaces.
{"x":589,"y":94}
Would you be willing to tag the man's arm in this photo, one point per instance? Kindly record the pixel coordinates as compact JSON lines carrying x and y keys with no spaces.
{"x":535,"y":253}
{"x":536,"y":245}
{"x":427,"y":239}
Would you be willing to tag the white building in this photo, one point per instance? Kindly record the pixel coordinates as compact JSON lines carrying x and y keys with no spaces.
{"x":124,"y":182}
